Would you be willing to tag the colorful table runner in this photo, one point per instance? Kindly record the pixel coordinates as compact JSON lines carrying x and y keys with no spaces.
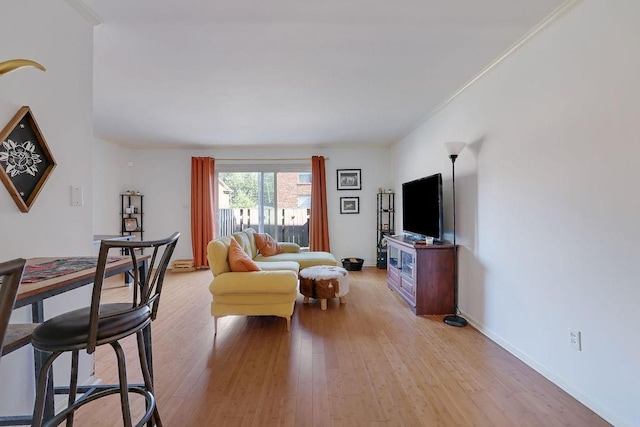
{"x":60,"y":267}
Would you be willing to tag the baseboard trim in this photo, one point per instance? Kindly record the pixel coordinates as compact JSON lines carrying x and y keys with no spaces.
{"x":542,"y":370}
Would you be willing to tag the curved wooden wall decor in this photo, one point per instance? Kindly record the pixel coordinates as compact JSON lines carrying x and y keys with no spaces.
{"x":14,"y":64}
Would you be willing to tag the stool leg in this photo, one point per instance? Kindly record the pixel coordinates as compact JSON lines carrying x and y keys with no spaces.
{"x":343,"y":300}
{"x":124,"y":388}
{"x":41,"y":390}
{"x":144,"y":367}
{"x":323,"y":304}
{"x":305,"y":300}
{"x":73,"y":384}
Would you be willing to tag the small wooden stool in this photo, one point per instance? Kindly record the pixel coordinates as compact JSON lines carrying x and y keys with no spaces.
{"x":322,"y":282}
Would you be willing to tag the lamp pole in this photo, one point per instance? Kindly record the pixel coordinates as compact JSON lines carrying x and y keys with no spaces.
{"x":455,"y":319}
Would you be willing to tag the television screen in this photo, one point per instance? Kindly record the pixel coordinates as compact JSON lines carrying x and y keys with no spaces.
{"x":422,"y":207}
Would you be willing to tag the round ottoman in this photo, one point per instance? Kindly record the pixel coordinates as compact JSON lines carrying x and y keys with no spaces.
{"x":322,"y":282}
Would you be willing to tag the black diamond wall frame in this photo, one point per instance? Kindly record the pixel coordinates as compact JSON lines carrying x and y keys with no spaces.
{"x":25,"y":159}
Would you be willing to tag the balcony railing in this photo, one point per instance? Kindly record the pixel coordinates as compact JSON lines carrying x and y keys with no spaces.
{"x":285,"y":225}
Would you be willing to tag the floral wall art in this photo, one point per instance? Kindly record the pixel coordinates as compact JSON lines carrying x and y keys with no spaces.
{"x":25,"y":159}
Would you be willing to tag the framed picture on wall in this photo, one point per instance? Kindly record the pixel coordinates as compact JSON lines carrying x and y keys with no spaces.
{"x":349,"y":179}
{"x":25,"y":159}
{"x":349,"y":205}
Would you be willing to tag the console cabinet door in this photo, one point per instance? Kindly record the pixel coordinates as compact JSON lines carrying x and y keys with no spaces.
{"x":407,"y":282}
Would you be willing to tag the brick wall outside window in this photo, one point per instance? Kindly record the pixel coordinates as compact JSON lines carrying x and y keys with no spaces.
{"x":289,"y":190}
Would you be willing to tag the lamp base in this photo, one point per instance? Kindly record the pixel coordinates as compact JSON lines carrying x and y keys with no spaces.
{"x":455,"y":320}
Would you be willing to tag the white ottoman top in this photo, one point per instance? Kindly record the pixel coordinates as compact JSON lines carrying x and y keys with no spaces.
{"x":323,"y":272}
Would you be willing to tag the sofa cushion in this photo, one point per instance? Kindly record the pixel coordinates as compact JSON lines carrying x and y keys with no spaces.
{"x":304,"y":259}
{"x":279,"y":265}
{"x":217,"y":254}
{"x":267,"y":245}
{"x":247,"y":241}
{"x":239,"y":260}
{"x":251,"y":283}
{"x":289,"y":247}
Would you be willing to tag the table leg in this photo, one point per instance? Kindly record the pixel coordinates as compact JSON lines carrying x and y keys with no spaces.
{"x":128,"y":275}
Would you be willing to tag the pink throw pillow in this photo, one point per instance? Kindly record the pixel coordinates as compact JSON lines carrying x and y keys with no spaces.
{"x":239,"y":260}
{"x":267,"y":245}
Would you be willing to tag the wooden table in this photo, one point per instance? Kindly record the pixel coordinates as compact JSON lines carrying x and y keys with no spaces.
{"x":35,"y":293}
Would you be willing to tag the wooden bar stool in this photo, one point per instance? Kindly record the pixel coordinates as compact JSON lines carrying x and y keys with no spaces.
{"x":100,"y":324}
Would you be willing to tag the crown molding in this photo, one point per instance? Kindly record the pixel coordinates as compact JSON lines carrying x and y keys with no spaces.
{"x":85,"y":11}
{"x":541,"y":26}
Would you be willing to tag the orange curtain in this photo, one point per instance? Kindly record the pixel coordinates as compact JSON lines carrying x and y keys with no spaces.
{"x":319,"y":222}
{"x":202,"y":198}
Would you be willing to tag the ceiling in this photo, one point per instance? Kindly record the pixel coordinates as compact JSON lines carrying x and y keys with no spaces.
{"x":213,"y":73}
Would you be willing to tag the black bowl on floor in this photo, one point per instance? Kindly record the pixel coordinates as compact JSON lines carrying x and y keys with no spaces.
{"x":352,"y":264}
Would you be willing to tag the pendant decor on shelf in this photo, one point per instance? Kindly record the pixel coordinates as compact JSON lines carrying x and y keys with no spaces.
{"x":25,"y":159}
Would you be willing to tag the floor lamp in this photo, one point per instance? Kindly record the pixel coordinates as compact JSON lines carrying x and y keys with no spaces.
{"x":454,"y":148}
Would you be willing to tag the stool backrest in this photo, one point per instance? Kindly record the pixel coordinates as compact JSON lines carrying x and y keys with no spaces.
{"x":146,"y":290}
{"x":11,"y":274}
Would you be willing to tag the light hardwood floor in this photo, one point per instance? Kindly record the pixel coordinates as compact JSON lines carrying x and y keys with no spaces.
{"x":369,"y":362}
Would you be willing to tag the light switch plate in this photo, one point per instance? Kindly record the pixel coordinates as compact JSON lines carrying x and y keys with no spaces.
{"x":76,"y":195}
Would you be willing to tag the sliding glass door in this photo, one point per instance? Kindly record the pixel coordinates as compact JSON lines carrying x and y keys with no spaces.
{"x":273,"y":202}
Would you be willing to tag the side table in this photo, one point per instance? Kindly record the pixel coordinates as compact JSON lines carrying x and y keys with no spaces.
{"x":323,"y":282}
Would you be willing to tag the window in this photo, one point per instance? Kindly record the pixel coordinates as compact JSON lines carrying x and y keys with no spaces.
{"x":268,"y":201}
{"x":304,"y":201}
{"x":304,"y":178}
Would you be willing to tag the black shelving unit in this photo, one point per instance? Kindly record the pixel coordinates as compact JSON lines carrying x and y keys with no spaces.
{"x":132,"y":213}
{"x":385,"y":222}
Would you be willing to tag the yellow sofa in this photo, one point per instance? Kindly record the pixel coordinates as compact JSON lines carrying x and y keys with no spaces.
{"x":269,"y":292}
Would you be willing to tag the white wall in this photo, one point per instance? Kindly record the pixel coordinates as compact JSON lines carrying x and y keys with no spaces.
{"x":164,"y":177}
{"x":112,"y":176}
{"x":53,"y":34}
{"x":548,"y":204}
{"x":546,"y":207}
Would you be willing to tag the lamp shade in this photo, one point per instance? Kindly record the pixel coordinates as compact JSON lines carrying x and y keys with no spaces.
{"x":454,"y":148}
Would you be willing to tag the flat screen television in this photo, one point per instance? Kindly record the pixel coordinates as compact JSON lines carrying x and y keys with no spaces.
{"x":422,"y":207}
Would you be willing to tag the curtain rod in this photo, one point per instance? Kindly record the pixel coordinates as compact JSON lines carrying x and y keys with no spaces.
{"x":272,"y":159}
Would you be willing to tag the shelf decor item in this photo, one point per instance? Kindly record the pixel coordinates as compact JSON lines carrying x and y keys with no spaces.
{"x":130,"y":224}
{"x":349,"y":179}
{"x":132,"y":213}
{"x":349,"y":205}
{"x":386,"y":224}
{"x":25,"y":159}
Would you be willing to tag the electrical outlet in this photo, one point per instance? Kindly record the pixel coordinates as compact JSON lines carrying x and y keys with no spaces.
{"x":575,"y":339}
